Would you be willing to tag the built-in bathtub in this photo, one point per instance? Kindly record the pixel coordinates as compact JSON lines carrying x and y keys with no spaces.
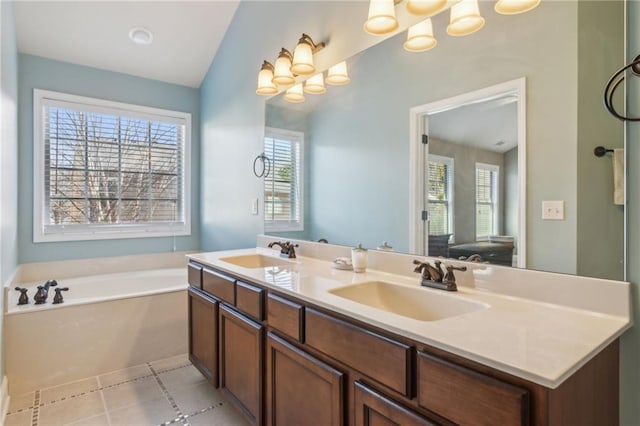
{"x":107,"y":322}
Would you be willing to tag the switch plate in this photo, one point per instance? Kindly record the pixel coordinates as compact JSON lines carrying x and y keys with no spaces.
{"x":553,"y":210}
{"x":254,"y":206}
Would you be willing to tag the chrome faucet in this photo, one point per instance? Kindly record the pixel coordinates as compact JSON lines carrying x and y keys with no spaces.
{"x":434,"y":277}
{"x":286,"y":249}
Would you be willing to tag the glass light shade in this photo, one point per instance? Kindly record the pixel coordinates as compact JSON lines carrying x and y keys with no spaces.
{"x":425,"y":7}
{"x":282,"y":73}
{"x":420,"y":37}
{"x":315,"y":85}
{"x":465,"y":18}
{"x":382,"y":17}
{"x":266,"y":86}
{"x":512,"y":7}
{"x":337,"y":75}
{"x":303,"y":60}
{"x":294,"y":94}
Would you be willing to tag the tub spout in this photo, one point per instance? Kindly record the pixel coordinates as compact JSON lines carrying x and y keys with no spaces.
{"x":43,"y":292}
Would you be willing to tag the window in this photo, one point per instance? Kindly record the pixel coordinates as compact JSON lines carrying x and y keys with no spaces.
{"x":108,"y":170}
{"x":440,"y":195}
{"x":283,"y":186}
{"x":487,"y":178}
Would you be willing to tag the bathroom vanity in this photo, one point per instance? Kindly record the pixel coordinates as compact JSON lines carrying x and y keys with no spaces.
{"x":297,"y":342}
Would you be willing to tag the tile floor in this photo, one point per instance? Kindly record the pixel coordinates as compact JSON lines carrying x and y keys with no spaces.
{"x":165,"y":392}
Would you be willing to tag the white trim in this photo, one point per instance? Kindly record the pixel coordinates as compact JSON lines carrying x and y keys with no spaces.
{"x":81,"y":232}
{"x":416,"y":186}
{"x":5,"y":399}
{"x":297,"y":137}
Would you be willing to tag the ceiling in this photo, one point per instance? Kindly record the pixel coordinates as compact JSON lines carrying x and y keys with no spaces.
{"x":186,"y":35}
{"x":491,"y":125}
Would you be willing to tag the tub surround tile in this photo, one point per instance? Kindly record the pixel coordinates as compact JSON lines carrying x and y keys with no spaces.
{"x":68,"y":390}
{"x":21,"y":402}
{"x":124,"y":375}
{"x":71,"y":410}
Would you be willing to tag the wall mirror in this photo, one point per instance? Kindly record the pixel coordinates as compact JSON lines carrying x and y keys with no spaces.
{"x":356,"y":175}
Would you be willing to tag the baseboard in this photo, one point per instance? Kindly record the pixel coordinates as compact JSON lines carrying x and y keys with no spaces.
{"x":4,"y":399}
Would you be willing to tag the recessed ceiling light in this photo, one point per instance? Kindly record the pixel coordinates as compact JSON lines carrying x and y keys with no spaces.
{"x":140,"y":35}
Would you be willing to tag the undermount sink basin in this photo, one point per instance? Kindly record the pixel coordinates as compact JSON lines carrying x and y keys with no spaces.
{"x":416,"y":303}
{"x":255,"y":261}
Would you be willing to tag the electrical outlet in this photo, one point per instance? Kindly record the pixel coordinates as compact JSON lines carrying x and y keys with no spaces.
{"x":553,"y":210}
{"x":254,"y":206}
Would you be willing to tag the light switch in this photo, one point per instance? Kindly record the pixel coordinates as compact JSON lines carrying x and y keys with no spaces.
{"x":553,"y":210}
{"x":254,"y":206}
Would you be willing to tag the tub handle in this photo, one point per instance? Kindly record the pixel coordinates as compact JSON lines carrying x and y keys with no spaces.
{"x":58,"y":297}
{"x":24,"y":298}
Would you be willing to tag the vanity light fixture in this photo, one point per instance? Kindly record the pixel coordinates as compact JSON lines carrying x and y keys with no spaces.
{"x":337,"y":75}
{"x":420,"y":37}
{"x":382,"y":17}
{"x":294,"y":94}
{"x":302,"y":62}
{"x":512,"y":7}
{"x":465,"y":18}
{"x":266,"y":86}
{"x":315,"y":85}
{"x":282,"y":73}
{"x":425,"y":7}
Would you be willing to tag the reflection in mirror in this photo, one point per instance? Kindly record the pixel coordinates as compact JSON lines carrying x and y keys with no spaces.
{"x":359,"y":161}
{"x":469,"y":200}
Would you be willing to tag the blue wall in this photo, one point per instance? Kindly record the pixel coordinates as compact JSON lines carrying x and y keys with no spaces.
{"x":41,"y":73}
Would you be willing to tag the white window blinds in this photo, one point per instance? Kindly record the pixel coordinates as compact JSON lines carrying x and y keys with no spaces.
{"x":440,"y":196}
{"x":487,"y":176}
{"x":283,"y":186}
{"x":108,"y":170}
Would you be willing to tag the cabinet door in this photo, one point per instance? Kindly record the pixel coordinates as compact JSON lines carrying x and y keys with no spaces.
{"x":374,"y":409}
{"x":241,"y":357}
{"x":301,"y":390}
{"x":203,"y":334}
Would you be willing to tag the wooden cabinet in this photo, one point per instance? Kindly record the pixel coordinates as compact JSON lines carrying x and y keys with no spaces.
{"x":203,"y":334}
{"x":467,"y":397}
{"x":286,"y":316}
{"x":301,"y":390}
{"x":219,"y":285}
{"x":241,"y":358}
{"x":375,"y":409}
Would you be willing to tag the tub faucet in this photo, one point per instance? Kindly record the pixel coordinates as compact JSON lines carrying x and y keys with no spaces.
{"x":58,"y":296}
{"x":43,"y":292}
{"x":24,"y":298}
{"x":286,"y":248}
{"x":434,"y":277}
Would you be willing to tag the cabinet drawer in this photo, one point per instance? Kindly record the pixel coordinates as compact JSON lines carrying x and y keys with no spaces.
{"x":218,"y":285}
{"x":194,"y":275}
{"x":373,"y":408}
{"x":250,"y":300}
{"x":467,"y":397}
{"x":380,"y":358}
{"x":285,"y":316}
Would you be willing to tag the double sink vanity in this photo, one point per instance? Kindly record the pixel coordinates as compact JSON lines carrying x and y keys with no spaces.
{"x":295,"y":341}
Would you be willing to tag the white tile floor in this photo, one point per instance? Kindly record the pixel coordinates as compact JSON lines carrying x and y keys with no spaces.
{"x":164,"y":392}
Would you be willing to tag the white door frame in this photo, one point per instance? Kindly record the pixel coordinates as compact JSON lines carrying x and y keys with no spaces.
{"x":416,"y":154}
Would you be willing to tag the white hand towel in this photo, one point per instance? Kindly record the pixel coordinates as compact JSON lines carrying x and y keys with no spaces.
{"x":618,"y":176}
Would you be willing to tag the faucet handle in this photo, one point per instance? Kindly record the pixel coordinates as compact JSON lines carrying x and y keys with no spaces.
{"x":58,"y":297}
{"x":24,"y":298}
{"x":421,"y":265}
{"x":449,"y":278}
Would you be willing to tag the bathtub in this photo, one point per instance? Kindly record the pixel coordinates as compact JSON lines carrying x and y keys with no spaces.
{"x":107,"y":322}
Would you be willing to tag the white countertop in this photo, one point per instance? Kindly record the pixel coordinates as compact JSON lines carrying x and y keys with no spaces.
{"x":541,"y":342}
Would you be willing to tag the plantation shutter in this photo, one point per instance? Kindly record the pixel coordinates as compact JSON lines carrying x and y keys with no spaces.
{"x":283,"y":184}
{"x":486,"y":200}
{"x":440,"y":189}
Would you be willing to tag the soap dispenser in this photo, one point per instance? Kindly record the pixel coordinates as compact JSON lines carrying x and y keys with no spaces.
{"x":359,"y":258}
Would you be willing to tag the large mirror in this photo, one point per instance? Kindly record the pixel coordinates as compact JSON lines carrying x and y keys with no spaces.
{"x":358,"y":162}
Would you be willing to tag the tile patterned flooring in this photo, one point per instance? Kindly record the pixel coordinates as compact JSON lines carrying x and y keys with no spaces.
{"x":166,"y":392}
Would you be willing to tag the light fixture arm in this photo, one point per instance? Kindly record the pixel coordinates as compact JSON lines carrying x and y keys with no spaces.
{"x":266,"y":65}
{"x":314,"y":47}
{"x":285,"y":53}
